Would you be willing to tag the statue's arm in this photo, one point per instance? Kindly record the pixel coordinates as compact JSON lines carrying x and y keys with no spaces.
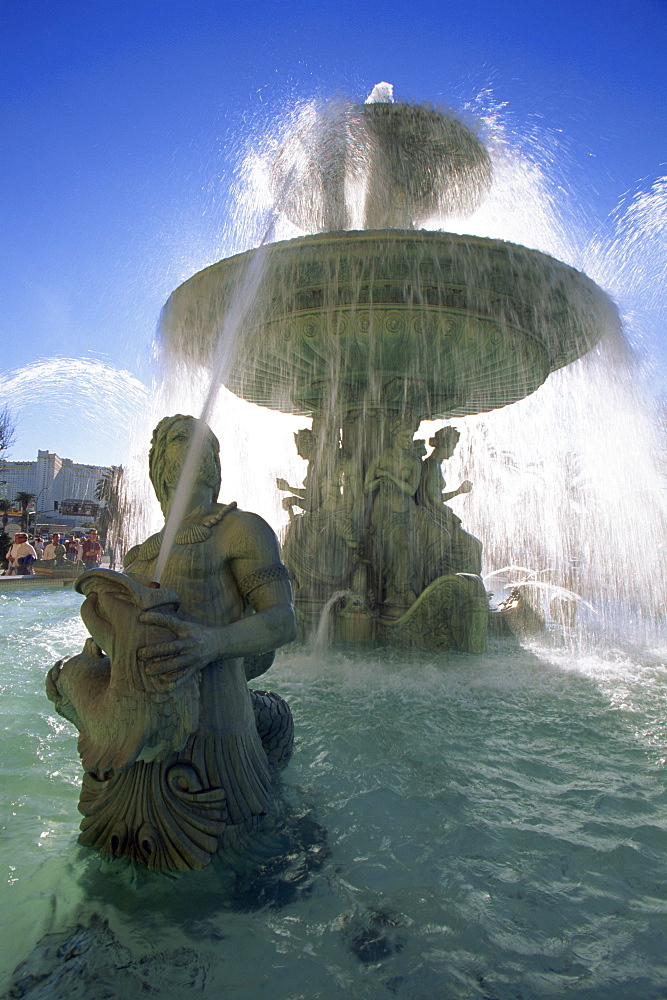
{"x":465,"y":487}
{"x":251,"y":549}
{"x":407,"y":486}
{"x":298,"y":491}
{"x":374,"y":476}
{"x":304,"y":502}
{"x":377,"y":472}
{"x":264,"y":583}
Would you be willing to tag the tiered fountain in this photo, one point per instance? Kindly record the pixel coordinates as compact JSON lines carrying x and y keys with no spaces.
{"x":491,"y":825}
{"x":368,"y":332}
{"x":370,"y":326}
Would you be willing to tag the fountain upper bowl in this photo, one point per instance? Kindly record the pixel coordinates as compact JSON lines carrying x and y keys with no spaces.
{"x":446,"y":324}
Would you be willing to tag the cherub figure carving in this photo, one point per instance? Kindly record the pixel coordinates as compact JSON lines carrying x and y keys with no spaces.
{"x":391,"y":483}
{"x":328,"y":523}
{"x":455,"y":550}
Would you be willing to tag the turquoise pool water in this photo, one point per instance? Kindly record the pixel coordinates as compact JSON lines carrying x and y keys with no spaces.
{"x":455,"y":827}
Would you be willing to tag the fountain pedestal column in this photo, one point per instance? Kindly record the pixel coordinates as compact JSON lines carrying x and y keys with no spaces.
{"x":367,"y":544}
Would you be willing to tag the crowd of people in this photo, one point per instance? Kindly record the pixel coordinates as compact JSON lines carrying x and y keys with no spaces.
{"x":53,"y":552}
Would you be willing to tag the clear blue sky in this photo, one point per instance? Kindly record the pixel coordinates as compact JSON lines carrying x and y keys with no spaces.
{"x":122,"y":122}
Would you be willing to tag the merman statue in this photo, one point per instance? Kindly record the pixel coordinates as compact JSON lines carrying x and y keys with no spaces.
{"x":177,"y":751}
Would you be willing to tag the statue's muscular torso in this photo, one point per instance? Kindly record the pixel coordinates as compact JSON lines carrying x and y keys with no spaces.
{"x":214,"y":568}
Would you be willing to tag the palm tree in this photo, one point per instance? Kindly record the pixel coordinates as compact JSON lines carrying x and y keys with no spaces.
{"x":110,"y":490}
{"x":24,"y":499}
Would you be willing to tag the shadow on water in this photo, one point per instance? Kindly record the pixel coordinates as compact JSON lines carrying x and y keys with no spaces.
{"x":273,"y":868}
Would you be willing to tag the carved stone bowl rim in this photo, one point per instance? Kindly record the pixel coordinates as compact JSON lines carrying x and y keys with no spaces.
{"x":576,"y":314}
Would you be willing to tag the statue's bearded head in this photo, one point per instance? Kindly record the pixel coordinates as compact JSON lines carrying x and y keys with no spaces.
{"x":169,"y":446}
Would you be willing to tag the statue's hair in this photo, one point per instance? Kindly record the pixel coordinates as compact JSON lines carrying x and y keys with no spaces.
{"x":304,"y":433}
{"x":157,"y":457}
{"x":404,"y":422}
{"x":445,"y":435}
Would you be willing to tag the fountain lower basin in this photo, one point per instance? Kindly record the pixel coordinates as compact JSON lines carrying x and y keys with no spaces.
{"x":507,"y":862}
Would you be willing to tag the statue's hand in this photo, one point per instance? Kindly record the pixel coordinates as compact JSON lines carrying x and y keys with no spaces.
{"x":175,"y":661}
{"x":282,"y":484}
{"x":465,"y":486}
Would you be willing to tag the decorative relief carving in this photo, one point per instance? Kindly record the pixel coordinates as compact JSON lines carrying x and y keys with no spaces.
{"x":161,"y":814}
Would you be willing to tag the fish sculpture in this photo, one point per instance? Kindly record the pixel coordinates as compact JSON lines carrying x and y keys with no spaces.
{"x":147,"y":792}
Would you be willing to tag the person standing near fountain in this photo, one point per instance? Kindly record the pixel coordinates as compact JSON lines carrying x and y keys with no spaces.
{"x":92,"y":550}
{"x":21,"y":556}
{"x":54,"y":551}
